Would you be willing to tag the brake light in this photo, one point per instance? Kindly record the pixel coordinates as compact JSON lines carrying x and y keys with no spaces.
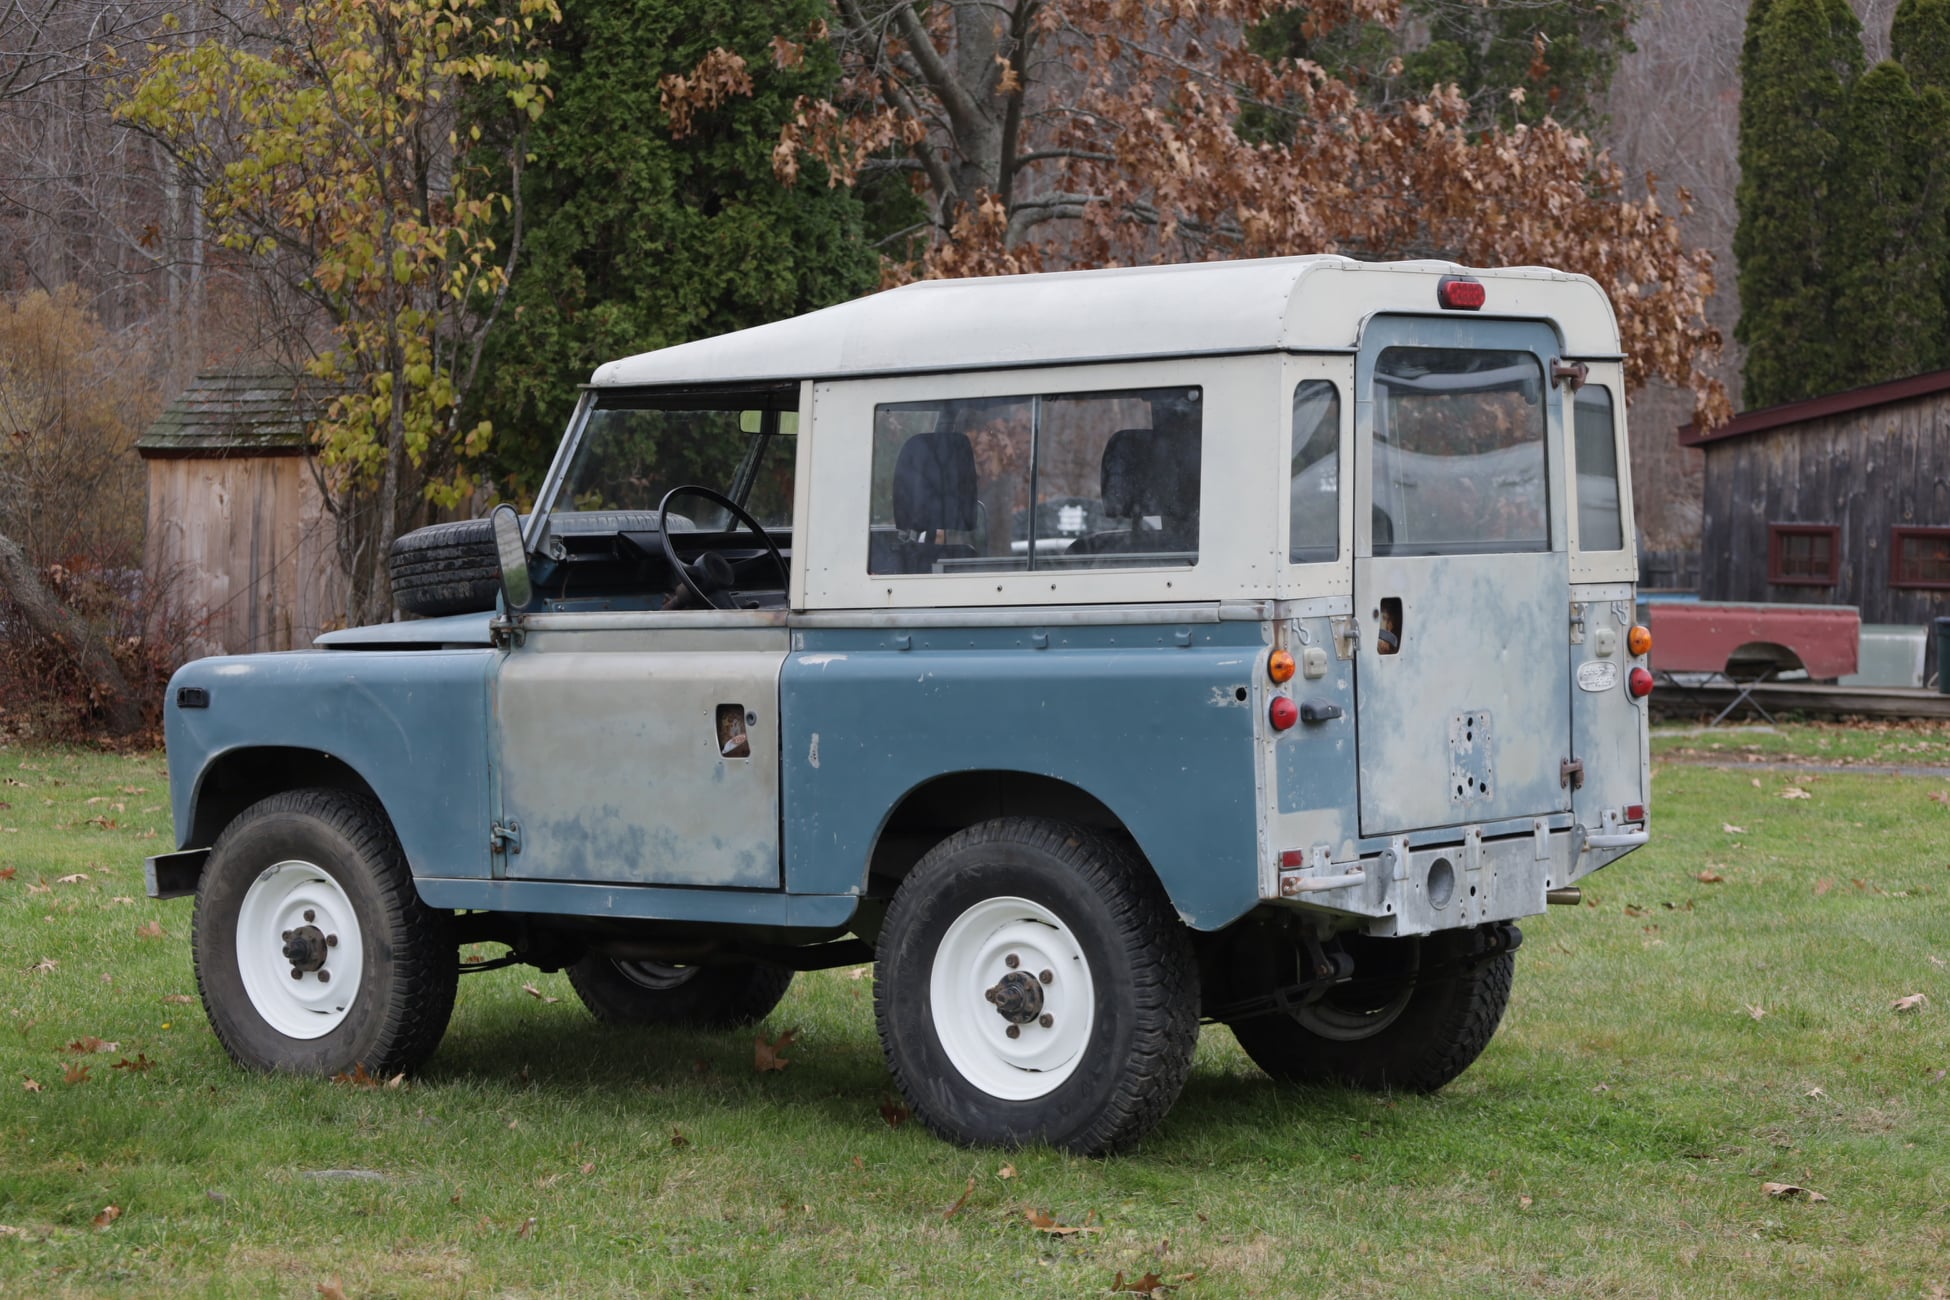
{"x":1635,"y":812}
{"x":1459,"y":293}
{"x":1284,"y":712}
{"x":1639,"y":640}
{"x":1280,"y":666}
{"x":1639,"y":683}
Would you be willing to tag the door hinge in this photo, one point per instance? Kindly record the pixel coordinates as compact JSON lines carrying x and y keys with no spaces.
{"x":504,"y":837}
{"x":1573,"y":373}
{"x":1577,"y":624}
{"x":1571,"y":773}
{"x":505,"y":633}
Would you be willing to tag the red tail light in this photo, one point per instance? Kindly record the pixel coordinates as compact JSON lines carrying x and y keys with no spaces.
{"x":1459,"y":294}
{"x":1639,"y":683}
{"x":1284,"y":712}
{"x":1634,"y":812}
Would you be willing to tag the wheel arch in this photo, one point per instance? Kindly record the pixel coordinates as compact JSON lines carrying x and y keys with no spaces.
{"x":939,"y":806}
{"x":238,"y":778}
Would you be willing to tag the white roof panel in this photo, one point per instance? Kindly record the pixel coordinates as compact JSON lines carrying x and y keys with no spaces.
{"x":1288,"y":303}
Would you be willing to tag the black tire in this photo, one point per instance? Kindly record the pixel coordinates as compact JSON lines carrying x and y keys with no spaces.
{"x":1093,"y":909}
{"x":446,"y":569}
{"x":642,"y":993}
{"x":334,"y":851}
{"x":1424,"y":1012}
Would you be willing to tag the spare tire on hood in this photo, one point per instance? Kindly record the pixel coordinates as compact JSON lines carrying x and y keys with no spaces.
{"x":446,"y":569}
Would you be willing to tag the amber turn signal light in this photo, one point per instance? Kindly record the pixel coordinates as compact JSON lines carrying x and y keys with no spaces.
{"x":1280,"y":666}
{"x":1639,"y":640}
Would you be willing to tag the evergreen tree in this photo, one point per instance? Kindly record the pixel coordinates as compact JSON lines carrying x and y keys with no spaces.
{"x":638,"y":239}
{"x":1799,"y":61}
{"x":1919,"y":38}
{"x":1887,"y":246}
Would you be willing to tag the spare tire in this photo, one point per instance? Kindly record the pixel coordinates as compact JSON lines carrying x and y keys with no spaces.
{"x":446,"y":569}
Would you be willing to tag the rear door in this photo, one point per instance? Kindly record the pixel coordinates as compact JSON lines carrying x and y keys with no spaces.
{"x":1461,"y":575}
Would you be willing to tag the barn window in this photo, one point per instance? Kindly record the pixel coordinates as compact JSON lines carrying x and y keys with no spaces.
{"x":1803,"y":554}
{"x":1919,"y":557}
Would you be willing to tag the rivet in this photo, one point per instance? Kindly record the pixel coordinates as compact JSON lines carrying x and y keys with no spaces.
{"x":1045,"y":1020}
{"x":1014,"y":1031}
{"x":1012,"y":961}
{"x":1047,"y":977}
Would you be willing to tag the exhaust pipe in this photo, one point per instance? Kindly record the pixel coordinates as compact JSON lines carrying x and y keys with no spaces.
{"x":1568,"y":896}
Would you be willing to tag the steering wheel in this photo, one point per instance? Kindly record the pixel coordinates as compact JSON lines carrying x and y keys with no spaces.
{"x":718,"y":574}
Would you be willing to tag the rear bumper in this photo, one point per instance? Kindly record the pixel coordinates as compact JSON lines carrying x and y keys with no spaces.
{"x":1403,"y":891}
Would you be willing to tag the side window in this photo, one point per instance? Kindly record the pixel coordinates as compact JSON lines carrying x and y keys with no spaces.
{"x":1314,"y":491}
{"x":1043,"y":482}
{"x":1600,"y":527}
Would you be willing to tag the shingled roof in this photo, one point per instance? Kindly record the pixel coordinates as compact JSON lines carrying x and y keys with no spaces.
{"x":256,"y":410}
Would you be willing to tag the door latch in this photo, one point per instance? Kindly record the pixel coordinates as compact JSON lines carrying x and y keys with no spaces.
{"x":1347,"y":636}
{"x":504,"y":837}
{"x":1571,"y":773}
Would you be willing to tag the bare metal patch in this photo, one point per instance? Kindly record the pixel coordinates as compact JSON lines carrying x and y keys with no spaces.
{"x":1471,"y":756}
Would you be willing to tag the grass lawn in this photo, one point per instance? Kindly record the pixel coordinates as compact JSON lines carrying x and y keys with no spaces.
{"x":1716,"y":1017}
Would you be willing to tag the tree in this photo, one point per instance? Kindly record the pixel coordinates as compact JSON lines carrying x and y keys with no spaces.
{"x":323,"y":144}
{"x":1887,"y":248}
{"x":1800,"y":59}
{"x":1048,"y":133}
{"x":653,"y":215}
{"x":1919,"y":39}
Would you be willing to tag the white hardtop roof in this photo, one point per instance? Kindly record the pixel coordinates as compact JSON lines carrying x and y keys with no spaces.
{"x":1274,"y":304}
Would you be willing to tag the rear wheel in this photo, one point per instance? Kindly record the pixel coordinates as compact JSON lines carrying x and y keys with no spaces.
{"x":313,"y":951}
{"x":1416,"y":1014}
{"x":1034,"y":985}
{"x":649,"y":993}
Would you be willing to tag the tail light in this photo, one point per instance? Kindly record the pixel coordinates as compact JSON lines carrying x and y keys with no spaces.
{"x":1280,"y":666}
{"x":1639,"y":640}
{"x":1635,"y":812}
{"x":1639,"y":683}
{"x":1459,"y":293}
{"x":1284,"y":712}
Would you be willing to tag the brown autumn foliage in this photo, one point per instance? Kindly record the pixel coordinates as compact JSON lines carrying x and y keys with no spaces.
{"x":1062,"y":134}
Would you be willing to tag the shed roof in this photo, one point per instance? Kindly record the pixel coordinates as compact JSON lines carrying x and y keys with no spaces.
{"x":1817,"y":408}
{"x":1315,"y":303}
{"x":255,"y":410}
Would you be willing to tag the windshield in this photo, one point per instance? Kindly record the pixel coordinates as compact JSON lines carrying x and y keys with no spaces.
{"x":635,"y":448}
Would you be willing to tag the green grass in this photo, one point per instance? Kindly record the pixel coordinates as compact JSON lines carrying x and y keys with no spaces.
{"x":1613,"y":1140}
{"x":1895,"y":743}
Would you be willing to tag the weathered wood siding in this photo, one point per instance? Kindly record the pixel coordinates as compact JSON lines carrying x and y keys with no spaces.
{"x":1865,"y":472}
{"x":245,"y":543}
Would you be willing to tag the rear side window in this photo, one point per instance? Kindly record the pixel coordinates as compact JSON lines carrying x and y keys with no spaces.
{"x":1459,"y":463}
{"x":1600,"y":525}
{"x":1314,"y":490}
{"x":1051,"y":481}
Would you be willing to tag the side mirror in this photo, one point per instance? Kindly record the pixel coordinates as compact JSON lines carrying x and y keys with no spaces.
{"x":517,"y":588}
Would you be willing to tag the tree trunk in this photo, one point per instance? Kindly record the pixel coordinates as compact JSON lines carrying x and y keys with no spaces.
{"x":49,"y":619}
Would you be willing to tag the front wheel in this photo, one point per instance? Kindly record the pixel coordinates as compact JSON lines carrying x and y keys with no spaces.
{"x":1034,"y":985}
{"x":314,"y":953}
{"x":1417,"y":1013}
{"x":649,"y":993}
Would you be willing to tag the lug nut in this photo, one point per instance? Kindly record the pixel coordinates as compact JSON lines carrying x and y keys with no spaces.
{"x":310,"y":915}
{"x":1045,"y":1020}
{"x":324,"y":977}
{"x":331,"y":941}
{"x":1047,"y":977}
{"x":1012,"y":961}
{"x":1014,"y":1031}
{"x":287,"y":936}
{"x":990,"y":995}
{"x":297,"y":974}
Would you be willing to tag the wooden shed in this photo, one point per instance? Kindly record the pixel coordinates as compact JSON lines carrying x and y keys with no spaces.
{"x":1835,"y":500}
{"x":238,"y":532}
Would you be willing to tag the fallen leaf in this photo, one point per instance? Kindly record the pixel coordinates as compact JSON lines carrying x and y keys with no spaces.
{"x":1603,"y":1087}
{"x":1914,"y":1002}
{"x":180,"y":999}
{"x":30,"y":1085}
{"x":89,"y":1043}
{"x":589,"y":1168}
{"x":121,"y":900}
{"x":956,"y":1208}
{"x":8,"y":873}
{"x":1043,"y":1221}
{"x":859,"y":972}
{"x":860,"y":1164}
{"x":109,"y":1214}
{"x":1940,"y":796}
{"x":534,"y":992}
{"x":332,"y":1290}
{"x":74,"y":879}
{"x":359,"y":1078}
{"x":1007,"y":1171}
{"x":770,"y":1056}
{"x":1788,"y":1191}
{"x":1709,"y":877}
{"x":73,"y":1074}
{"x":1816,"y":1092}
{"x":44,"y":965}
{"x":1524,"y":1202}
{"x":153,"y":930}
{"x":1731,"y":829}
{"x":1757,"y":1011}
{"x":677,"y":1140}
{"x":894,"y":1113}
{"x":527,"y":1228}
{"x":139,"y":1064}
{"x":1756,"y":783}
{"x":1823,"y":886}
{"x":1150,"y":1284}
{"x":1936,"y":960}
{"x":1795,"y":792}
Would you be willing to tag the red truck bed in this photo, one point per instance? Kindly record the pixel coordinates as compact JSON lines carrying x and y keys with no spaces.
{"x":1689,"y":637}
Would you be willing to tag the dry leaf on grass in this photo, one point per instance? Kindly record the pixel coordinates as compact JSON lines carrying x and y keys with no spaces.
{"x":1788,"y":1192}
{"x":859,"y":972}
{"x":1043,"y":1221}
{"x":1823,"y":886}
{"x":526,"y":1230}
{"x":109,"y":1214}
{"x":771,"y":1056}
{"x":589,"y":1168}
{"x":88,"y":1043}
{"x":73,"y":1074}
{"x":1795,"y":792}
{"x":1914,"y":1002}
{"x":677,"y":1141}
{"x":74,"y":879}
{"x":1709,"y":878}
{"x":43,"y":966}
{"x":332,"y":1290}
{"x":1007,"y":1171}
{"x":956,"y":1208}
{"x":1936,"y":960}
{"x":153,"y":930}
{"x":137,"y":1066}
{"x":534,"y":992}
{"x":178,"y":999}
{"x":1731,"y":829}
{"x":1940,"y":796}
{"x":1757,"y":1011}
{"x":1150,"y":1284}
{"x":30,"y":1085}
{"x":8,"y":873}
{"x":894,"y":1112}
{"x":1524,"y":1202}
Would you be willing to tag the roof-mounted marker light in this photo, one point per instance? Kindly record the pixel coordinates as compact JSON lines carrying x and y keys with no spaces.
{"x":1460,"y":293}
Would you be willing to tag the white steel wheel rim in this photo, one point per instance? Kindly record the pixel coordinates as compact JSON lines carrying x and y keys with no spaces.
{"x":279,"y":900}
{"x":973,"y":958}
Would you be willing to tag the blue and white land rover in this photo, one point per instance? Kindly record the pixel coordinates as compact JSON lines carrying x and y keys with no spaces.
{"x":1099,"y":654}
